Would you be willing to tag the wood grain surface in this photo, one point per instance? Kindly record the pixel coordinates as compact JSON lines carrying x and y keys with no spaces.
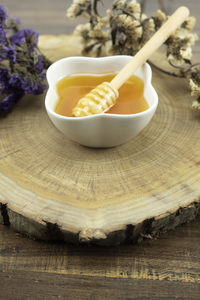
{"x":167,"y":268}
{"x":59,"y":190}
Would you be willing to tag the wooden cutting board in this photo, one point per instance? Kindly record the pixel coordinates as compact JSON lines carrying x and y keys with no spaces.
{"x":54,"y":189}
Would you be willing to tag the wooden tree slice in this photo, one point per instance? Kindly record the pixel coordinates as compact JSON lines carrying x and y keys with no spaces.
{"x":54,"y":189}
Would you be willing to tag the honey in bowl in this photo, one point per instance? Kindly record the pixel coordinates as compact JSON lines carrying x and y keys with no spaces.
{"x":71,"y":89}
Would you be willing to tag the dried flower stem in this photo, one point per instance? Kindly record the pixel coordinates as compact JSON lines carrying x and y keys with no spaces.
{"x":165,"y":71}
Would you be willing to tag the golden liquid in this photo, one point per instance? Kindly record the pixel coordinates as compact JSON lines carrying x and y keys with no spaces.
{"x":71,"y":88}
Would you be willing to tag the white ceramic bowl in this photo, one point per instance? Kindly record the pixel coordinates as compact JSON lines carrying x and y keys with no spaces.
{"x":102,"y":130}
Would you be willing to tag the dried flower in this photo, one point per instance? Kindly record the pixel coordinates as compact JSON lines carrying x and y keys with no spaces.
{"x":78,"y":8}
{"x":189,"y":23}
{"x":83,"y":30}
{"x":21,"y":64}
{"x":148,"y":27}
{"x":125,"y":29}
{"x":195,"y":87}
{"x":179,"y":46}
{"x":133,"y":9}
{"x":3,"y":15}
{"x":25,"y":36}
{"x":159,"y":19}
{"x":196,"y":105}
{"x":119,"y":4}
{"x":94,"y":34}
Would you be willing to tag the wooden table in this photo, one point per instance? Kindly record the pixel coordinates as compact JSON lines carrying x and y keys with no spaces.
{"x":167,"y":268}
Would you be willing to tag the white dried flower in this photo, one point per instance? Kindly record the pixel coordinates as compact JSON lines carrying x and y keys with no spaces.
{"x":184,"y":33}
{"x":196,"y":105}
{"x":85,"y":15}
{"x":151,"y":25}
{"x":136,"y":29}
{"x":109,"y":13}
{"x":123,"y":19}
{"x":195,"y":88}
{"x":134,"y":9}
{"x":78,"y":7}
{"x":160,"y":18}
{"x":100,"y":23}
{"x":161,"y":15}
{"x":192,"y":38}
{"x":186,"y":53}
{"x":189,"y":23}
{"x":118,"y":4}
{"x":148,"y":29}
{"x":98,"y":34}
{"x":180,"y":46}
{"x":80,"y":29}
{"x":177,"y":61}
{"x":72,"y":11}
{"x":132,"y":27}
{"x":143,"y":17}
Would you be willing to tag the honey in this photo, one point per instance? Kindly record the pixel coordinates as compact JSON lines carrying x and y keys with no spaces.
{"x":72,"y":88}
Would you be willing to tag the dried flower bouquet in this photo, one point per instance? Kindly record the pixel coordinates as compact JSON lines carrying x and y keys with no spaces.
{"x":22,"y":66}
{"x":125,"y":29}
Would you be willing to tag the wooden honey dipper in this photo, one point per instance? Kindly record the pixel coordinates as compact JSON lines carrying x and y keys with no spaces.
{"x":104,"y":96}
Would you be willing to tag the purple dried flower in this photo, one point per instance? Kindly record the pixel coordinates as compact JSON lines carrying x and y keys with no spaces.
{"x":21,"y":64}
{"x":10,"y":82}
{"x":3,"y":52}
{"x":4,"y":78}
{"x":18,"y":38}
{"x":39,"y":66}
{"x":3,"y":74}
{"x":18,"y":20}
{"x":9,"y":101}
{"x":25,"y":36}
{"x":7,"y":53}
{"x":31,"y":87}
{"x":2,"y":36}
{"x":11,"y":54}
{"x":3,"y":14}
{"x":15,"y":81}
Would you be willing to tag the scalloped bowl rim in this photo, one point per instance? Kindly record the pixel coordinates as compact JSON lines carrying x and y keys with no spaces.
{"x":102,"y":115}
